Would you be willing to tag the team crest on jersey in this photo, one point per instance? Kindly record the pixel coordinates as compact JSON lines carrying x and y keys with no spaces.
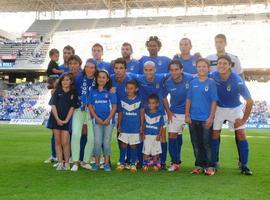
{"x":132,"y":68}
{"x":187,"y":85}
{"x":157,"y":85}
{"x":229,"y":88}
{"x":159,"y":63}
{"x":206,"y":88}
{"x":106,"y":95}
{"x":71,"y":97}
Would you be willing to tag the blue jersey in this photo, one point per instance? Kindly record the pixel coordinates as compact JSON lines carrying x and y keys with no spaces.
{"x":201,"y":94}
{"x":131,"y":120}
{"x":230,"y":90}
{"x":189,"y":66}
{"x":64,"y":68}
{"x":133,"y":66}
{"x":147,"y":88}
{"x":178,"y":93}
{"x":101,"y":65}
{"x":162,"y":63}
{"x":120,"y":87}
{"x":83,"y":86}
{"x":102,"y":102}
{"x":153,"y":122}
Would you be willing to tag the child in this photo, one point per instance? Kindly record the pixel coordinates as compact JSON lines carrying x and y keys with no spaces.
{"x":53,"y":71}
{"x":199,"y":114}
{"x":63,"y":101}
{"x":152,"y":132}
{"x":102,"y":107}
{"x":130,"y":120}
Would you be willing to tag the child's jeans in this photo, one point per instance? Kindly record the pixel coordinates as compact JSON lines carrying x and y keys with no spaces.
{"x":103,"y":138}
{"x":200,"y":137}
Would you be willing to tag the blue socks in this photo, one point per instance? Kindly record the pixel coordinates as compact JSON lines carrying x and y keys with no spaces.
{"x":173,"y":147}
{"x":133,"y":155}
{"x":179,"y":148}
{"x":82,"y":145}
{"x":123,"y":152}
{"x":243,"y":149}
{"x":215,"y":149}
{"x":128,"y":154}
{"x":53,"y":146}
{"x":164,"y":152}
{"x":139,"y":152}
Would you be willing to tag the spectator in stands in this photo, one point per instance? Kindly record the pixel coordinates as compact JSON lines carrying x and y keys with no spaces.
{"x":53,"y":70}
{"x":67,"y":52}
{"x":132,"y":64}
{"x":185,"y":58}
{"x":97,"y":53}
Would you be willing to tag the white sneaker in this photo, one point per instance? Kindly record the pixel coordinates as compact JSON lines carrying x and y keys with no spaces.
{"x":75,"y":167}
{"x":50,"y":160}
{"x":93,"y":160}
{"x":55,"y":164}
{"x":60,"y":167}
{"x":86,"y":165}
{"x":70,"y":161}
{"x":67,"y":166}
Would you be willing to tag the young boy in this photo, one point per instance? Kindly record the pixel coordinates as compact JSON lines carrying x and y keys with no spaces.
{"x":53,"y":71}
{"x":152,"y":132}
{"x":130,"y":120}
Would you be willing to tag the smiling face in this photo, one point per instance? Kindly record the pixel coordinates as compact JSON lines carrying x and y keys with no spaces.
{"x":149,"y":71}
{"x":90,"y":69}
{"x":66,"y":82}
{"x":185,"y":46}
{"x":102,"y":78}
{"x":131,"y":90}
{"x":153,"y":104}
{"x":153,"y":47}
{"x":202,"y":68}
{"x":175,"y":71}
{"x":223,"y":66}
{"x":119,"y":70}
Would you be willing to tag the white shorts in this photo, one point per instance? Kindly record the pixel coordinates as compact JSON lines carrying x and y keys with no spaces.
{"x":229,"y":114}
{"x":177,"y":125}
{"x":151,"y":146}
{"x":129,"y":138}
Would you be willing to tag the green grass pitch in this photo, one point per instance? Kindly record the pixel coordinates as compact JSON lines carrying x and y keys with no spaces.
{"x":23,"y":175}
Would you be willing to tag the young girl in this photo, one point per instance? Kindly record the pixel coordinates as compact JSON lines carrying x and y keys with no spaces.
{"x":102,"y":107}
{"x":200,"y":109}
{"x":130,"y":119}
{"x":63,"y":101}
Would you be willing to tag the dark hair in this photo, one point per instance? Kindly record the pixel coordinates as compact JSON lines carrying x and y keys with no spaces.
{"x":189,"y":40}
{"x":108,"y":84}
{"x":90,"y":61}
{"x":127,"y":44}
{"x":228,"y":58}
{"x":203,"y":60}
{"x":58,"y":84}
{"x":53,"y":51}
{"x":132,"y":82}
{"x":76,"y":58}
{"x":154,"y":97}
{"x":97,"y":45}
{"x":221,"y":36}
{"x":155,"y":39}
{"x":70,"y":48}
{"x":175,"y":62}
{"x":120,"y":61}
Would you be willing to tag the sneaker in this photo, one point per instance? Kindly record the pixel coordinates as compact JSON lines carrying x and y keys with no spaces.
{"x":107,"y":168}
{"x":127,"y":166}
{"x":85,"y":165}
{"x":209,"y":171}
{"x":70,"y":161}
{"x":145,"y":168}
{"x":75,"y":168}
{"x":55,"y":164}
{"x":67,"y":166}
{"x":155,"y":168}
{"x":93,"y":160}
{"x":95,"y":167}
{"x":133,"y":168}
{"x":50,"y":160}
{"x":163,"y":167}
{"x":246,"y":171}
{"x":174,"y":168}
{"x":139,"y":165}
{"x":120,"y":168}
{"x":60,"y":167}
{"x":197,"y":170}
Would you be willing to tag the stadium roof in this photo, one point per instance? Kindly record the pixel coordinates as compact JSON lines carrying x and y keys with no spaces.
{"x":57,"y":5}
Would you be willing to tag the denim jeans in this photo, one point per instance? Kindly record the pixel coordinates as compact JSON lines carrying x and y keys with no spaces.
{"x":103,"y":138}
{"x":201,"y":141}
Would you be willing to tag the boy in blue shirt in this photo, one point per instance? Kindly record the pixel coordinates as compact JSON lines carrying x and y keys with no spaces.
{"x":130,"y":119}
{"x":200,"y":110}
{"x":97,"y":53}
{"x":153,"y":124}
